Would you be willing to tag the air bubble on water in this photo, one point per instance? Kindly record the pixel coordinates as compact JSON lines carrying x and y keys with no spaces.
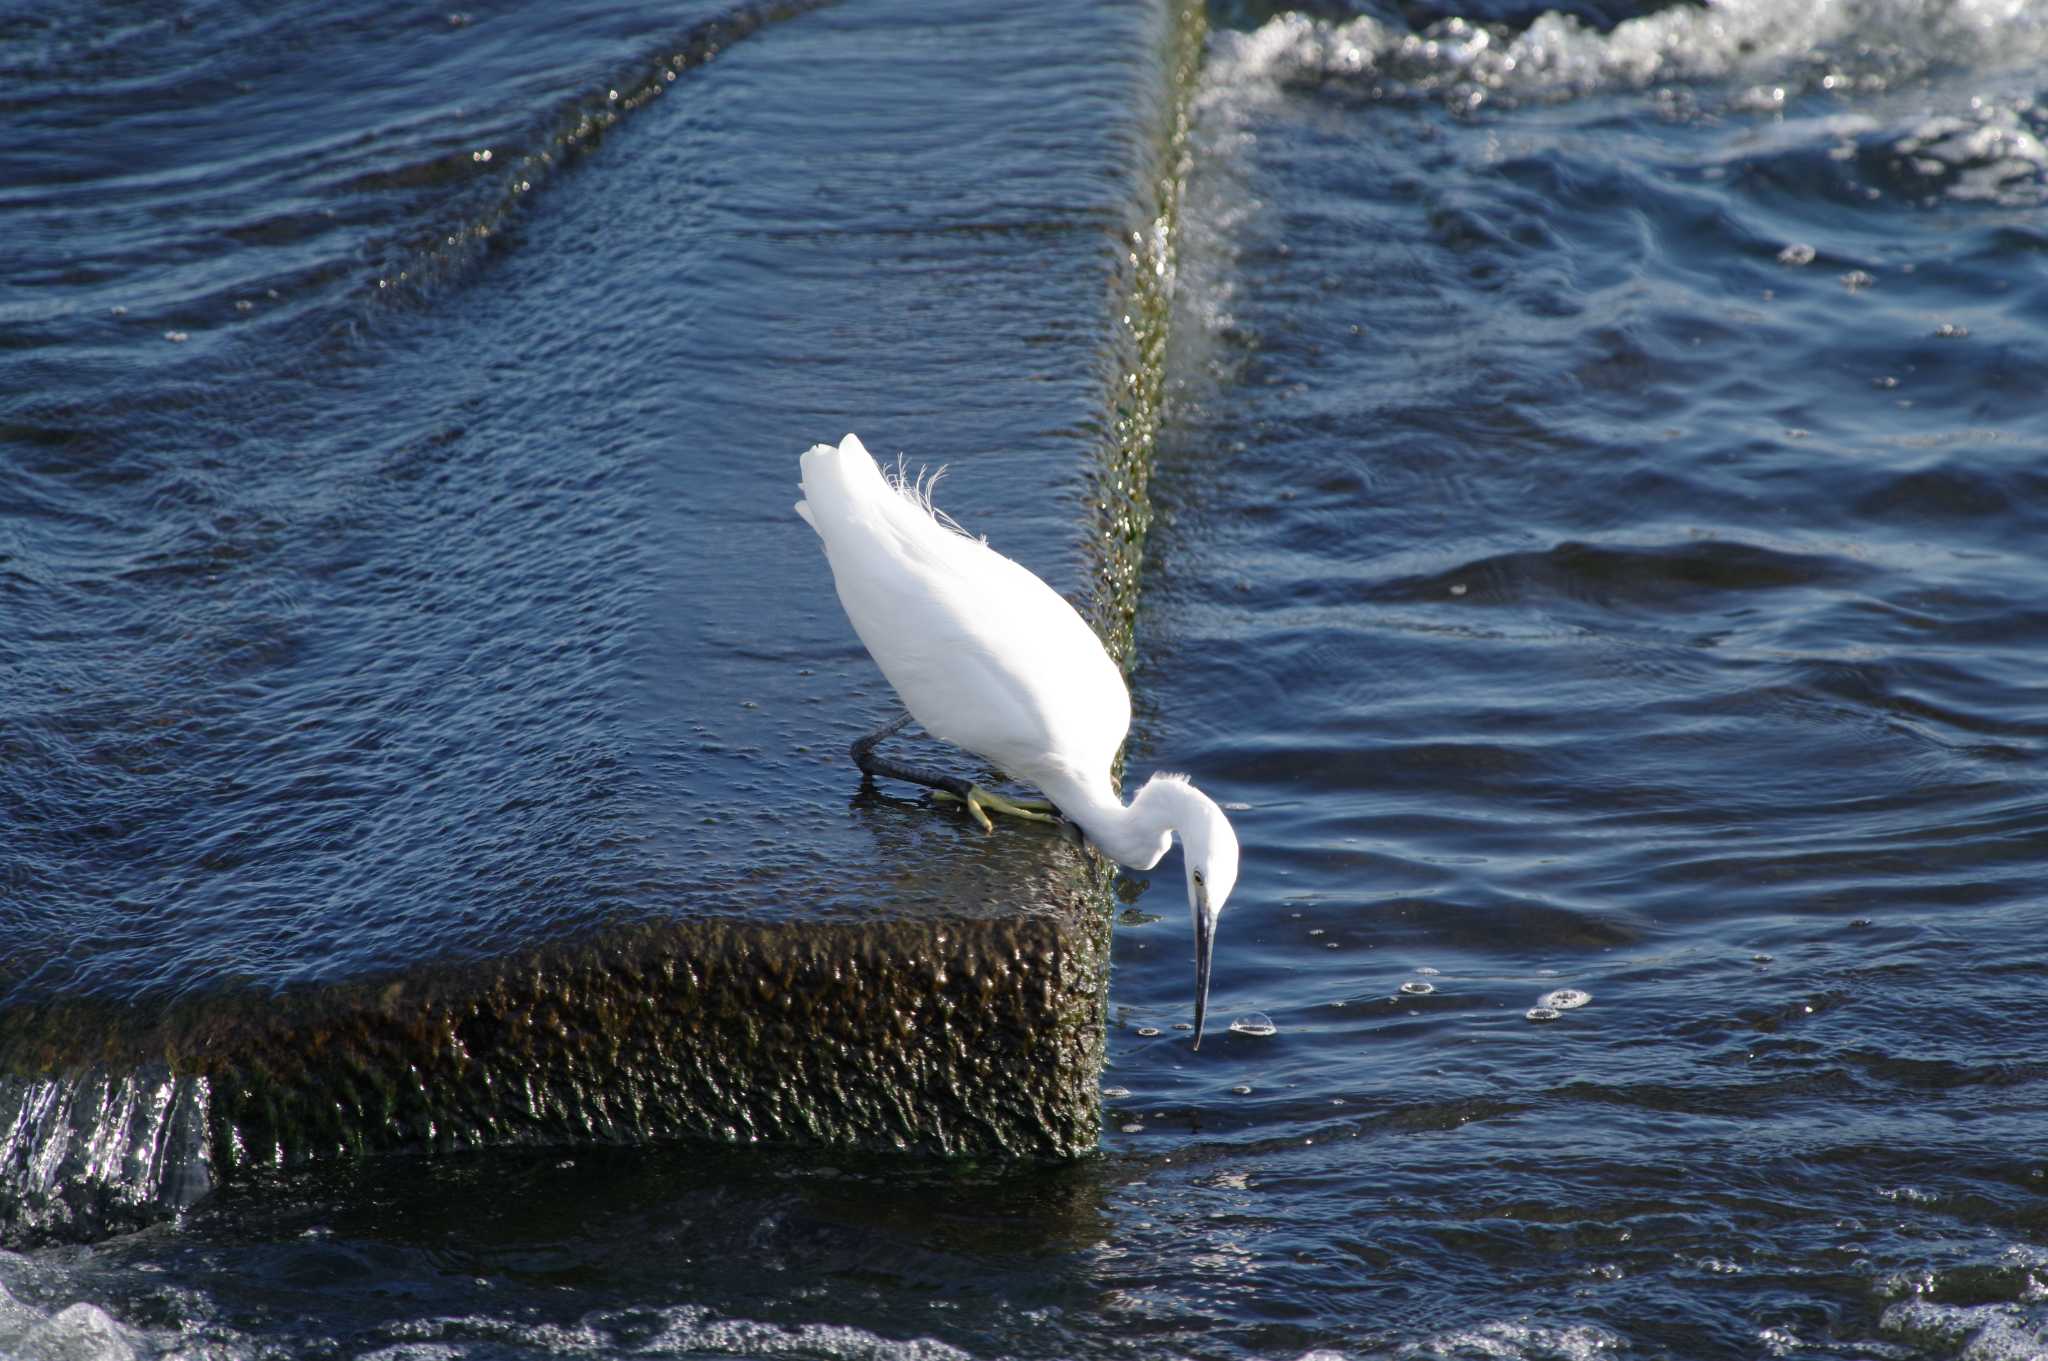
{"x":1948,"y":330}
{"x":1759,"y":959}
{"x":1857,"y":279}
{"x":1133,"y":1128}
{"x":1542,"y":1013}
{"x":1255,"y":1023}
{"x":1564,"y":999}
{"x":1428,"y":972}
{"x":1240,"y":1091}
{"x":1798,"y":253}
{"x":1116,"y":1093}
{"x":1415,"y":987}
{"x":1148,"y":1031}
{"x":177,"y":337}
{"x":1779,"y":1341}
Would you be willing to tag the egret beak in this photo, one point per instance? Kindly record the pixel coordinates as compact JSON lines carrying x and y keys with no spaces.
{"x":1205,"y":950}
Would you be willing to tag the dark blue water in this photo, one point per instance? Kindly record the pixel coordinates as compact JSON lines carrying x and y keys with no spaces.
{"x":1598,"y":548}
{"x":408,"y":571}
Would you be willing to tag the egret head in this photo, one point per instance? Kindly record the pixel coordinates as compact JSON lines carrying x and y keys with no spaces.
{"x":1208,"y":847}
{"x":1141,"y":835}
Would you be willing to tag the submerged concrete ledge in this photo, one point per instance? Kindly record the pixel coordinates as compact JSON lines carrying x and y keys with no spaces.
{"x":866,"y":983}
{"x":971,"y":1036}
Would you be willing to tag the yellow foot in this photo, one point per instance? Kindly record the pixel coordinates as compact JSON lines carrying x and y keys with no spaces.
{"x":980,"y":803}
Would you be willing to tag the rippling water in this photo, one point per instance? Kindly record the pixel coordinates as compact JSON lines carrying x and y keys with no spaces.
{"x":1599,"y":548}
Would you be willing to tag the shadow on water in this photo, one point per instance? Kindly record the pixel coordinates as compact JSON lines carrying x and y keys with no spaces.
{"x":633,"y":1250}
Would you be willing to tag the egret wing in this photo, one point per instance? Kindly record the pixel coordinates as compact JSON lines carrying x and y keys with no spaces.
{"x":984,"y":654}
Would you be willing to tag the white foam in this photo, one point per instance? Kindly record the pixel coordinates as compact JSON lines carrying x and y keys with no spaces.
{"x":1828,"y":44}
{"x":685,"y":1330}
{"x":77,"y":1332}
{"x":1976,"y":1332}
{"x":128,"y":1142}
{"x":692,"y":1329}
{"x":1990,"y":157}
{"x":1515,"y":1339}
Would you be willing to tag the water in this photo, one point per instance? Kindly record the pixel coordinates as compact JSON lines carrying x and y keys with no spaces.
{"x":1597,"y":545}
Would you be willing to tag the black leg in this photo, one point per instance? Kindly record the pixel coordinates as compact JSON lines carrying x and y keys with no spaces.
{"x":970,"y":795}
{"x":871,"y":765}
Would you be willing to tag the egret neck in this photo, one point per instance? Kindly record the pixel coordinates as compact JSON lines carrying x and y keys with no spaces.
{"x":1139,"y":834}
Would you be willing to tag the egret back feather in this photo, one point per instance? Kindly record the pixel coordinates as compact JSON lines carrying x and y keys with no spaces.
{"x":983,"y":654}
{"x":918,"y":491}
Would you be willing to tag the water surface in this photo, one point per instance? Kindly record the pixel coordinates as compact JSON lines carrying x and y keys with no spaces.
{"x":1598,"y":549}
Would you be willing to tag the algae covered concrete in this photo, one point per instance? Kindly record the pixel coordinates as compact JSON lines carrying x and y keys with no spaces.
{"x":965,"y":1035}
{"x":951,"y":1034}
{"x":955,"y":1037}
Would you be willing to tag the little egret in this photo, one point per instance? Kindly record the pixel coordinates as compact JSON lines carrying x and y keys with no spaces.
{"x":991,"y":659}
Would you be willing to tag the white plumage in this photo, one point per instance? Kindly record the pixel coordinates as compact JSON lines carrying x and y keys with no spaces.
{"x":947,"y":618}
{"x":989,"y":658}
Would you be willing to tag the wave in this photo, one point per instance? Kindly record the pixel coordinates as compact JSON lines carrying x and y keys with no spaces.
{"x":1846,"y":45}
{"x":1989,"y":145}
{"x":1666,"y":576}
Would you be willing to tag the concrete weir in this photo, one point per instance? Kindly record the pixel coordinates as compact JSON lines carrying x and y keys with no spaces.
{"x":939,"y":1036}
{"x":772,"y":958}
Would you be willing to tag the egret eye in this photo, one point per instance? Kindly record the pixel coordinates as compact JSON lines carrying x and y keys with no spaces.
{"x":1198,"y":876}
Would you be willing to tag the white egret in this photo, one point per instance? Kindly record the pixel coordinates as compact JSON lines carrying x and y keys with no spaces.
{"x":991,"y":659}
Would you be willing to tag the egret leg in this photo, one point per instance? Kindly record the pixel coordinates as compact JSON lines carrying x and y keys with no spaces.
{"x":979,"y":802}
{"x":863,"y":750}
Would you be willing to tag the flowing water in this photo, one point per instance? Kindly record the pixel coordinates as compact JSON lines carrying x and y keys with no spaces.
{"x":1598,"y":554}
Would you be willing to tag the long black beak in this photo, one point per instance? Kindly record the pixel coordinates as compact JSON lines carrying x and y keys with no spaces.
{"x":1205,"y":951}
